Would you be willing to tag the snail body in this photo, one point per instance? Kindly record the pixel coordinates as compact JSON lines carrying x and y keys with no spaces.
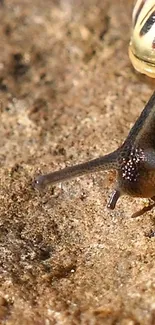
{"x":134,"y":162}
{"x":142,"y":44}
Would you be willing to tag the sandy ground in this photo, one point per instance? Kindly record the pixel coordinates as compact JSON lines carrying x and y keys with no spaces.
{"x":68,"y":93}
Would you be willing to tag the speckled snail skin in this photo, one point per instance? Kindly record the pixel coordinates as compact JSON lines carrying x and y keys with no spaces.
{"x":134,"y":161}
{"x":142,"y":44}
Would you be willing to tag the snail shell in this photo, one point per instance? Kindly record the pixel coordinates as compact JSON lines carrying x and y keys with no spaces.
{"x":142,"y":44}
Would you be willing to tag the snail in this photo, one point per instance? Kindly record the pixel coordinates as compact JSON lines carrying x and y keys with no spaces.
{"x":142,"y":44}
{"x":134,"y":160}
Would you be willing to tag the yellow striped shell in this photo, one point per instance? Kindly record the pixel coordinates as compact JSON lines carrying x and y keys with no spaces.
{"x":142,"y":44}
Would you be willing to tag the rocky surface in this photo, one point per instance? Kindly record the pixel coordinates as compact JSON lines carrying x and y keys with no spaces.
{"x":68,"y":93}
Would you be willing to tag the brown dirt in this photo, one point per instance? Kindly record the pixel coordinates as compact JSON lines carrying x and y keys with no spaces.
{"x":68,"y":93}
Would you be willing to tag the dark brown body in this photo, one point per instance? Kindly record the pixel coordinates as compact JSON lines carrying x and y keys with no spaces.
{"x":141,"y":188}
{"x":134,"y":161}
{"x":144,"y":186}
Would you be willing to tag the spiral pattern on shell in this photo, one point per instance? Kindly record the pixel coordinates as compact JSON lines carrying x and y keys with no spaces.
{"x":142,"y":44}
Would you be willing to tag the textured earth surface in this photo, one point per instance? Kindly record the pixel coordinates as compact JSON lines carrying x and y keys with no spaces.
{"x":68,"y":93}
